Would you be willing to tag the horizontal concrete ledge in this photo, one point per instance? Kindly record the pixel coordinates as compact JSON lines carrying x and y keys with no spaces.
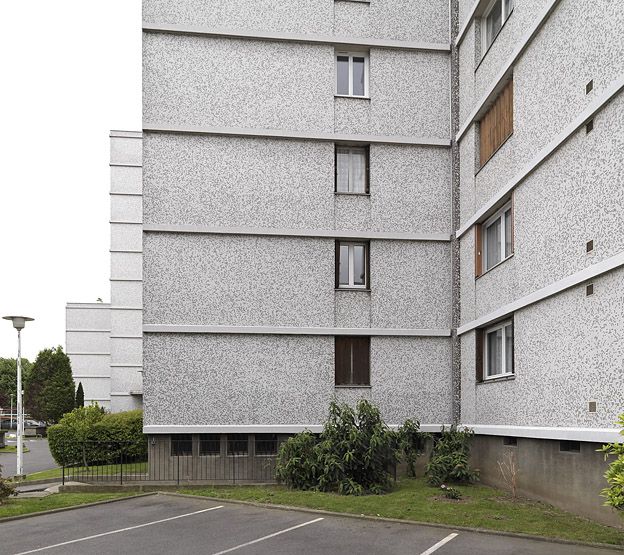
{"x":498,"y":81}
{"x":127,"y":307}
{"x":300,"y":135}
{"x":120,"y":194}
{"x":467,"y":22}
{"x":122,"y":365}
{"x":87,"y":353}
{"x":276,"y":330}
{"x":253,"y":428}
{"x":88,"y":305}
{"x":124,"y":222}
{"x":123,"y":165}
{"x":91,"y":376}
{"x":126,"y":279}
{"x":543,"y":155}
{"x":86,"y":330}
{"x":283,"y":232}
{"x":594,"y":435}
{"x":294,"y":37}
{"x":126,"y":337}
{"x":125,"y":134}
{"x":548,"y":291}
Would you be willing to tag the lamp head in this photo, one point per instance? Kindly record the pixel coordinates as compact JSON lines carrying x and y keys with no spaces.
{"x":18,"y":321}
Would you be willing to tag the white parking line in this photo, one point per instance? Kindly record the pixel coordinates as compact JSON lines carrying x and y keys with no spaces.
{"x":439,"y":544}
{"x":118,"y":531}
{"x":268,"y":537}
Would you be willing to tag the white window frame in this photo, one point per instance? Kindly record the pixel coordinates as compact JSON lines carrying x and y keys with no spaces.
{"x":353,"y":149}
{"x":352,"y":284}
{"x":352,"y":55}
{"x":499,"y":215}
{"x":506,"y":11}
{"x":486,"y":369}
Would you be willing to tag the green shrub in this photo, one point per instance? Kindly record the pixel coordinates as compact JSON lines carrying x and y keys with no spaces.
{"x":88,"y":435}
{"x":352,"y":456}
{"x":6,"y":488}
{"x":615,"y":473}
{"x":450,"y":456}
{"x":450,"y":492}
{"x":411,"y":444}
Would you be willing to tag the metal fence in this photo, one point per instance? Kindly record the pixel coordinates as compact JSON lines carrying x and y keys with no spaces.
{"x":175,"y":461}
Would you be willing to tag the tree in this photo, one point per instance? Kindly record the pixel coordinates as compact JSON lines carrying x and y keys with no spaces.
{"x":79,"y":396}
{"x":50,"y":392}
{"x":8,"y":379}
{"x":615,"y":473}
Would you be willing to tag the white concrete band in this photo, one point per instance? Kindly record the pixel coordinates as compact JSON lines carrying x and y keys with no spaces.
{"x":278,"y":330}
{"x":153,"y":127}
{"x":283,"y":232}
{"x":294,"y":37}
{"x":253,"y":428}
{"x":544,"y":154}
{"x":596,"y":435}
{"x":600,"y":268}
{"x":500,"y":79}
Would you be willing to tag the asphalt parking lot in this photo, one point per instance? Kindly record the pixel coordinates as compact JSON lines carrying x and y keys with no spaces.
{"x":167,"y":524}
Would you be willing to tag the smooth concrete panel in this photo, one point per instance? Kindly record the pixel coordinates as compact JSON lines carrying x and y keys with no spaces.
{"x":126,"y":350}
{"x":126,"y":265}
{"x":126,"y":379}
{"x":126,"y":237}
{"x":294,"y":16}
{"x":92,"y":318}
{"x":231,"y":181}
{"x":126,"y":402}
{"x":411,"y":284}
{"x":239,"y":280}
{"x":127,"y":294}
{"x":126,"y":179}
{"x":126,"y":322}
{"x":90,"y":364}
{"x":270,"y":85}
{"x":126,"y":208}
{"x":125,"y":150}
{"x":81,"y":341}
{"x":94,"y":388}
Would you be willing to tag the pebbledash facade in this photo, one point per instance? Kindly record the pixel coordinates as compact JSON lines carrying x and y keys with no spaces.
{"x":415,"y":203}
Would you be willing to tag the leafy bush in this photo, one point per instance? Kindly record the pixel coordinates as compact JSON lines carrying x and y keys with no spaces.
{"x":6,"y":488}
{"x":352,"y":456}
{"x":88,"y":435}
{"x":615,"y":473}
{"x":449,"y":458}
{"x":411,"y":444}
{"x":450,"y":492}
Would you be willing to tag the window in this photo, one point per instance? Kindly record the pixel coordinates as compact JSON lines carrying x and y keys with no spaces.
{"x":351,"y":166}
{"x":352,"y":360}
{"x":351,"y":265}
{"x":209,"y":444}
{"x":496,"y":126}
{"x":570,"y":446}
{"x":266,"y":444}
{"x":494,"y":19}
{"x":510,"y":441}
{"x":352,"y":74}
{"x":498,"y":355}
{"x":237,"y":444}
{"x":181,"y":445}
{"x":497,"y":237}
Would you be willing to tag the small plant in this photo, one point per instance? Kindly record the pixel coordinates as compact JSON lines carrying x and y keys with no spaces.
{"x":615,"y":473}
{"x":450,"y":492}
{"x":6,"y":488}
{"x":411,"y":444}
{"x":509,"y":471}
{"x":449,"y":458}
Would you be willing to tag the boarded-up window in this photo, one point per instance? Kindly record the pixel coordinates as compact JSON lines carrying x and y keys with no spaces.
{"x":497,"y":124}
{"x":352,"y":360}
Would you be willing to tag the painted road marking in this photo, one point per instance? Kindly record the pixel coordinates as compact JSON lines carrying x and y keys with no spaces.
{"x":439,"y":544}
{"x":268,"y":537}
{"x":118,"y":531}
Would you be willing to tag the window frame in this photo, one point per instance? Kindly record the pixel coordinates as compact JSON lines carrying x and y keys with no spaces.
{"x":486,"y":363}
{"x":238,"y":437}
{"x":351,"y":262}
{"x":351,"y":148}
{"x":506,"y":11}
{"x":351,"y":339}
{"x":351,"y":55}
{"x":203,"y":441}
{"x":499,"y":215}
{"x":263,"y":439}
{"x":176,"y":440}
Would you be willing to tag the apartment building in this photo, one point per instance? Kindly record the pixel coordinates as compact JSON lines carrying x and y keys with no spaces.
{"x":417,"y":203}
{"x":104,"y":340}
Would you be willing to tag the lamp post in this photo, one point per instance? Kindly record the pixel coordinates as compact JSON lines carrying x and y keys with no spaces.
{"x":18,"y":323}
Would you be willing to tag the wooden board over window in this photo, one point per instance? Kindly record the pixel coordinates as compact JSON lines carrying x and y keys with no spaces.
{"x":497,"y":124}
{"x":352,"y":360}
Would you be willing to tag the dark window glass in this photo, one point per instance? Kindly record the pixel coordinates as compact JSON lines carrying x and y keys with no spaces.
{"x":570,"y":446}
{"x":352,"y":362}
{"x":358,"y":76}
{"x":342,"y":70}
{"x":209,"y":444}
{"x":510,"y":441}
{"x":266,"y":444}
{"x":237,"y":444}
{"x":181,"y":445}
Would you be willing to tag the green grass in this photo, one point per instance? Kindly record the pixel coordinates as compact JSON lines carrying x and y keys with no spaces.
{"x":12,"y":449}
{"x":413,"y":499}
{"x":15,"y":507}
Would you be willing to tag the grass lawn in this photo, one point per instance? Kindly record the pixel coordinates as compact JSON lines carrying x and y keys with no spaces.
{"x":14,"y":507}
{"x":413,"y":499}
{"x":12,"y":449}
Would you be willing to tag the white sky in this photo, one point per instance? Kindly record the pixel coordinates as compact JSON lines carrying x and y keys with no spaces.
{"x":71,"y":71}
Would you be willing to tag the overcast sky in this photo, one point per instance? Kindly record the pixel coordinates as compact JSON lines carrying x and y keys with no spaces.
{"x":71,"y":71}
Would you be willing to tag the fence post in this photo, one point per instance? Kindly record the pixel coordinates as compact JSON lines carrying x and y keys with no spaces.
{"x":121,"y":470}
{"x":63,"y":476}
{"x":178,"y":465}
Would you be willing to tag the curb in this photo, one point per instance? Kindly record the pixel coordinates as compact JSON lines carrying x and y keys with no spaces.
{"x":36,"y":482}
{"x":72,"y":507}
{"x":398,"y":521}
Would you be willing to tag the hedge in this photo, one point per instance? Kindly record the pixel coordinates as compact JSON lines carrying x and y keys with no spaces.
{"x":88,"y":435}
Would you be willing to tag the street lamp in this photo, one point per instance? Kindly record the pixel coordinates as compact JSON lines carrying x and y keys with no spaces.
{"x":18,"y":323}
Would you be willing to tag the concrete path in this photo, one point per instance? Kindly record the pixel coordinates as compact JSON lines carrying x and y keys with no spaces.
{"x":37,"y":459}
{"x":162,"y":524}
